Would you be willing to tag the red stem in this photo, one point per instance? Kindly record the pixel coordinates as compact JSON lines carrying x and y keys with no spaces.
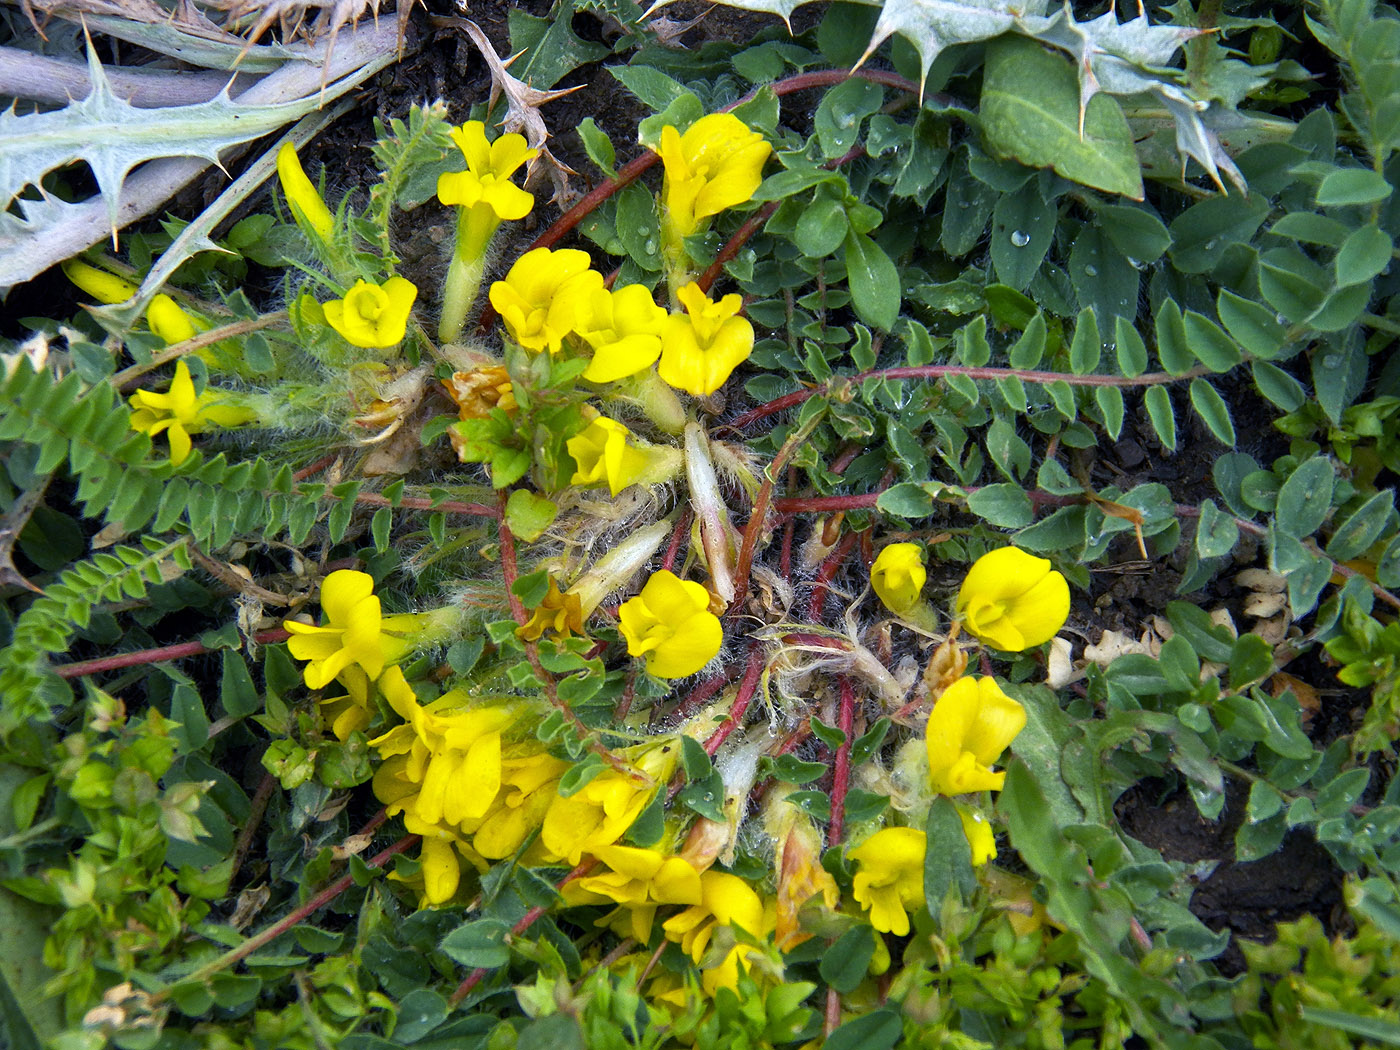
{"x":732,"y":246}
{"x":154,"y":656}
{"x":841,"y":771}
{"x":677,"y":534}
{"x":747,"y":688}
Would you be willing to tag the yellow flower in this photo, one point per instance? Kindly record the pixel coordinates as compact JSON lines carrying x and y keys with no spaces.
{"x":726,"y":900}
{"x":560,"y":612}
{"x":898,"y":576}
{"x":640,"y":881}
{"x":540,"y":299}
{"x":670,"y":623}
{"x":373,"y":315}
{"x":490,"y":166}
{"x":179,"y":412}
{"x":453,"y":754}
{"x":716,"y":164}
{"x":103,"y":286}
{"x":700,"y":348}
{"x":600,"y":812}
{"x":970,"y":726}
{"x":169,"y":320}
{"x":354,"y":632}
{"x":605,"y":456}
{"x":1012,"y":600}
{"x":980,"y":837}
{"x":345,"y":714}
{"x":890,"y":878}
{"x":308,"y":209}
{"x":623,"y":327}
{"x":528,"y":787}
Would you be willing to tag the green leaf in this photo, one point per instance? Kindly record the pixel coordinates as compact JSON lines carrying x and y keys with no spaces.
{"x":1103,"y":277}
{"x":821,"y":228}
{"x":479,"y":944}
{"x":1085,"y":348}
{"x":1022,"y":228}
{"x":1159,"y":410}
{"x":947,"y":858}
{"x":1216,"y":533}
{"x":874,"y":282}
{"x":1132,"y":353}
{"x":1216,"y":350}
{"x":598,"y":146}
{"x":528,"y":515}
{"x":1005,"y":505}
{"x":1210,"y":406}
{"x":694,"y":759}
{"x":1252,"y":324}
{"x":1364,"y":255}
{"x":1029,"y":347}
{"x":1362,"y":527}
{"x":653,"y":88}
{"x":1031,"y":113}
{"x":841,"y":113}
{"x":879,"y":1030}
{"x":1278,"y":386}
{"x":1377,"y":1028}
{"x":906,"y":500}
{"x":1172,"y":347}
{"x":638,"y":227}
{"x":1352,"y":186}
{"x":1110,"y":401}
{"x":1305,"y":498}
{"x":1136,"y":232}
{"x":845,"y":963}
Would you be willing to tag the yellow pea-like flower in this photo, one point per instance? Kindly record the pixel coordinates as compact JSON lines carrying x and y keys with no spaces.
{"x":373,"y":316}
{"x":179,"y":412}
{"x":889,"y":877}
{"x":1012,"y":600}
{"x":308,"y":208}
{"x":701,"y":347}
{"x":715,"y":164}
{"x":971,"y":724}
{"x":670,"y":623}
{"x":898,"y":576}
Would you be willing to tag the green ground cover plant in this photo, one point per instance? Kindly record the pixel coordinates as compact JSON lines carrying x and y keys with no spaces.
{"x":688,"y":627}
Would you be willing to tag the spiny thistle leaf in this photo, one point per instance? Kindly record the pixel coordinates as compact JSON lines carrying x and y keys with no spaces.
{"x":113,"y":136}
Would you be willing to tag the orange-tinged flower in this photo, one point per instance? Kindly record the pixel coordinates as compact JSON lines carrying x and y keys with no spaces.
{"x":898,"y":576}
{"x":716,"y":164}
{"x":479,"y":390}
{"x":797,"y":850}
{"x":890,"y":877}
{"x":179,"y":412}
{"x":703,"y":346}
{"x":1012,"y":600}
{"x":373,"y":316}
{"x":541,"y":296}
{"x":971,"y":724}
{"x":623,"y":328}
{"x":560,"y":612}
{"x":670,"y":623}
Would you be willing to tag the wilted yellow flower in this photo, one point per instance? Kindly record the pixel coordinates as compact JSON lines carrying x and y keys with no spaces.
{"x":797,"y":851}
{"x":898,"y":576}
{"x":640,"y":881}
{"x":560,"y":612}
{"x":890,"y":877}
{"x":540,"y":299}
{"x":670,"y":623}
{"x":479,"y":390}
{"x":490,"y":166}
{"x":703,"y":346}
{"x":452,"y":754}
{"x":373,"y":316}
{"x":605,"y":456}
{"x":715,"y":165}
{"x":970,"y":726}
{"x":354,"y":632}
{"x":179,"y":412}
{"x":308,"y":209}
{"x":1012,"y":600}
{"x":623,"y":328}
{"x":600,"y":812}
